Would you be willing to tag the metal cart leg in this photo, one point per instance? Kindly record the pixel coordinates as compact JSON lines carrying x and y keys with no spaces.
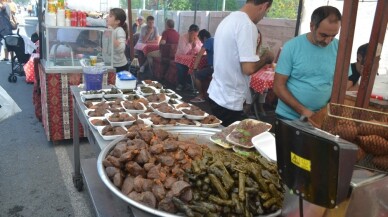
{"x":77,"y":178}
{"x":255,"y":98}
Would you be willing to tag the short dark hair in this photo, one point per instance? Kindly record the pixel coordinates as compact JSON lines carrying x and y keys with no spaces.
{"x":170,"y":23}
{"x":259,"y":2}
{"x":362,"y":50}
{"x":324,"y":12}
{"x":203,"y":33}
{"x":193,"y":28}
{"x":150,"y":18}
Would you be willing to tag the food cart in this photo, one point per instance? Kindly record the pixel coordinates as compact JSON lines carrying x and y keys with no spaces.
{"x":62,"y":46}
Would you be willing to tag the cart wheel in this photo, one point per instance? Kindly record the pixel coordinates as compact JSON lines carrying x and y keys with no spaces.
{"x":14,"y":78}
{"x":78,"y":182}
{"x":9,"y":78}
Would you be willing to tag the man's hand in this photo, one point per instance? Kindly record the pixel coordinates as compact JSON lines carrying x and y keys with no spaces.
{"x":307,"y":113}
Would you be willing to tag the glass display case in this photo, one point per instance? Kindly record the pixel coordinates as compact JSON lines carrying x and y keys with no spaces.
{"x":64,"y":47}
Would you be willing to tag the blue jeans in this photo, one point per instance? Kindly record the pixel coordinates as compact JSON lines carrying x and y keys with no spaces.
{"x":182,"y":73}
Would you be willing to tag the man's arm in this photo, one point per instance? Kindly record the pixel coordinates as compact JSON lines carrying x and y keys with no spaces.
{"x":281,"y":90}
{"x":249,"y":68}
{"x":146,"y":35}
{"x":198,"y":58}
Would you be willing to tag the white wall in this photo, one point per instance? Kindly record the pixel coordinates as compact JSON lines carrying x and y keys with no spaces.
{"x":364,"y":22}
{"x":275,"y":31}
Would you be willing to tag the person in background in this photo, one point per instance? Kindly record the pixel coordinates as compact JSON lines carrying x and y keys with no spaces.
{"x":116,"y":20}
{"x":5,"y":24}
{"x":357,"y":68}
{"x":148,"y":34}
{"x":235,"y":59}
{"x":203,"y":74}
{"x":169,"y":36}
{"x":305,"y":70}
{"x":136,"y":27}
{"x":188,"y":44}
{"x":12,"y":7}
{"x":29,"y":9}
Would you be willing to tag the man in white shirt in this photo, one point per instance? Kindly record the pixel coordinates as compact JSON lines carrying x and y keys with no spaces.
{"x":235,"y":59}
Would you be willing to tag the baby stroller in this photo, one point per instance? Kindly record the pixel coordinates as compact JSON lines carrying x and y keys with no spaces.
{"x":15,"y":43}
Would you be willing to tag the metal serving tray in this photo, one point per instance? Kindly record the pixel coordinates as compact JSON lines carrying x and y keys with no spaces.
{"x":199,"y":134}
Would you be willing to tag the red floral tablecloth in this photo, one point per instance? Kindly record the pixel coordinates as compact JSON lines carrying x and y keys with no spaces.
{"x":262,"y":79}
{"x":188,"y":60}
{"x":29,"y":68}
{"x":147,"y":48}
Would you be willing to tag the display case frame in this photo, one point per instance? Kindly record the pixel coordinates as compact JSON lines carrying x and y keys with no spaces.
{"x":64,"y":50}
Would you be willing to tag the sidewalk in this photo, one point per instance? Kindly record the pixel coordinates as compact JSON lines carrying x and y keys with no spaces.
{"x":36,"y":174}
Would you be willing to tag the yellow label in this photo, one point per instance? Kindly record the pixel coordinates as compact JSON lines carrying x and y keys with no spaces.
{"x":300,"y":162}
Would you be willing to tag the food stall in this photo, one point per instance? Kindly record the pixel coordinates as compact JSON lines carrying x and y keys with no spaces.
{"x":62,"y":45}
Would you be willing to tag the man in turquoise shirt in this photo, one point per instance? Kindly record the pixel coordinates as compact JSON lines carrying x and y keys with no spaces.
{"x":305,"y":69}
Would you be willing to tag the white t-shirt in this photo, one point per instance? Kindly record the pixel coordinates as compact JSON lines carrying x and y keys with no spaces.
{"x":235,"y":41}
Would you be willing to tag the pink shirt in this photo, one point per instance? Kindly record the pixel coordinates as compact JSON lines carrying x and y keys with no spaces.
{"x":185,"y":47}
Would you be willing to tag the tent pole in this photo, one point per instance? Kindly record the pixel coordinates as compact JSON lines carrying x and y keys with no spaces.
{"x":131,"y":45}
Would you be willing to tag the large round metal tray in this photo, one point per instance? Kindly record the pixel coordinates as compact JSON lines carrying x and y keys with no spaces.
{"x":199,"y":134}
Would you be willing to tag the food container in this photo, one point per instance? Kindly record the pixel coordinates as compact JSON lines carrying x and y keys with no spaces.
{"x":134,"y":111}
{"x":265,"y":144}
{"x":89,"y":110}
{"x":92,"y":119}
{"x":220,"y":137}
{"x":92,"y":94}
{"x":174,"y":96}
{"x":150,"y":90}
{"x":108,"y":94}
{"x":110,"y":137}
{"x":244,"y":132}
{"x":121,"y":123}
{"x":125,"y":80}
{"x":169,"y":115}
{"x":195,"y":117}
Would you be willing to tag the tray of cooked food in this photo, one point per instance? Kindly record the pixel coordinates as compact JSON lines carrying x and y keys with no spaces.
{"x":150,"y":83}
{"x":98,"y":112}
{"x":166,"y":110}
{"x":131,"y":97}
{"x":166,"y":91}
{"x":147,"y":90}
{"x":91,"y":94}
{"x":128,"y":91}
{"x":174,"y":96}
{"x":194,"y":113}
{"x":158,"y":98}
{"x":244,"y":132}
{"x":115,"y":106}
{"x":219,"y":138}
{"x":120,"y":118}
{"x":210,"y":121}
{"x":95,"y":105}
{"x":133,"y":107}
{"x":111,"y":132}
{"x":112,"y":93}
{"x":178,"y":172}
{"x":159,"y":121}
{"x":98,"y":122}
{"x":174,"y":101}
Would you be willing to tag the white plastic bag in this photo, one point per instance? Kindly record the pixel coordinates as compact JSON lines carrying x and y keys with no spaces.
{"x":8,"y":106}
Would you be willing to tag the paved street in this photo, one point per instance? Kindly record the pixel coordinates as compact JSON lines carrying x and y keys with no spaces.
{"x":35,"y":175}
